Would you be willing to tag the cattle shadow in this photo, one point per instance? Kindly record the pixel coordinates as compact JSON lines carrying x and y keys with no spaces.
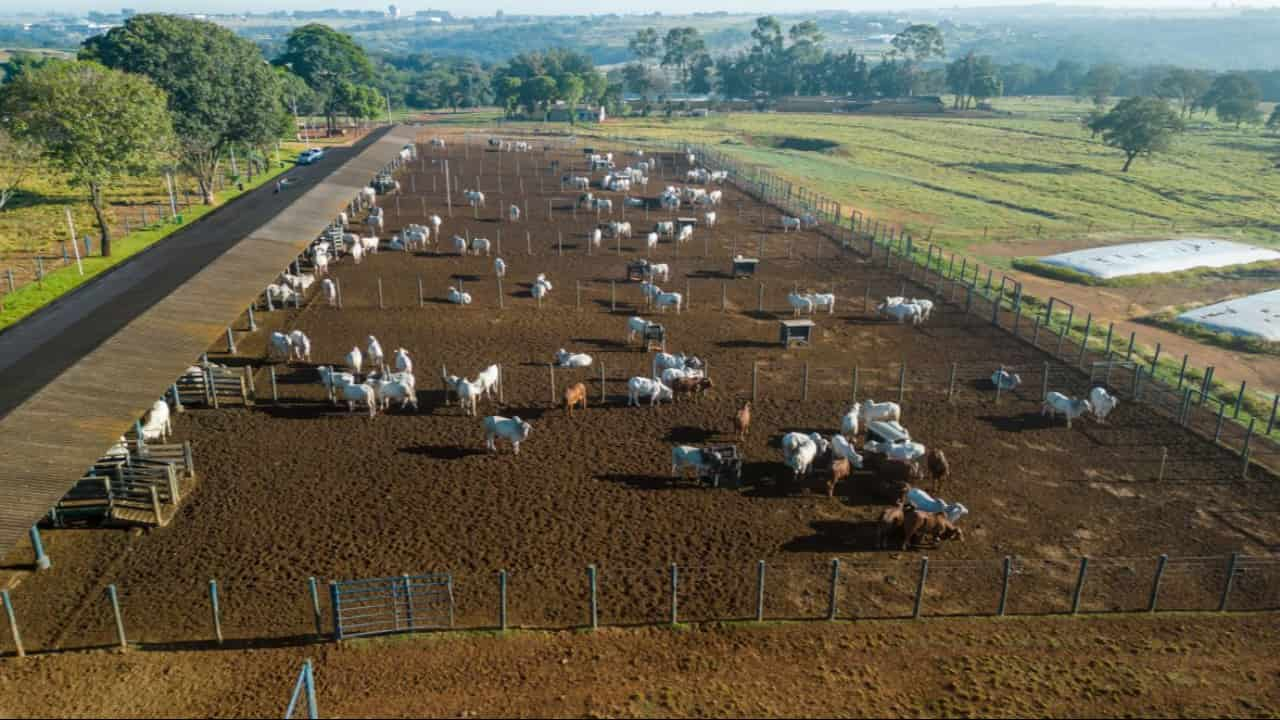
{"x":640,"y":482}
{"x":1012,"y":167}
{"x":837,"y":536}
{"x":767,"y":479}
{"x":710,"y":275}
{"x":460,"y":277}
{"x":745,"y":344}
{"x":524,"y":413}
{"x":442,"y":452}
{"x":687,"y":434}
{"x":600,"y":343}
{"x":309,"y":410}
{"x":1031,"y":420}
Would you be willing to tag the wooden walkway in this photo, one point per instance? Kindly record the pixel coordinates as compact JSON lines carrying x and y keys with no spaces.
{"x":48,"y":441}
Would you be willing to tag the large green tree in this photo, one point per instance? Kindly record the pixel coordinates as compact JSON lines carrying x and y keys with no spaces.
{"x":1100,"y":83}
{"x":917,"y":44}
{"x":93,"y":124}
{"x":1232,"y":96}
{"x":972,"y":79}
{"x":681,"y":48}
{"x":326,"y":59}
{"x":221,"y":92}
{"x":644,"y":45}
{"x":1138,"y":126}
{"x":19,"y":158}
{"x":1183,"y":87}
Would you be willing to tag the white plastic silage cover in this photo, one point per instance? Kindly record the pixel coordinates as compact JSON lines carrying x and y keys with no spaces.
{"x":1160,"y":256}
{"x":1256,"y":316}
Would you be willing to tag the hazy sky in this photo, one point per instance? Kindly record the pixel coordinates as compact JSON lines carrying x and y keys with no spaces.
{"x":552,"y":7}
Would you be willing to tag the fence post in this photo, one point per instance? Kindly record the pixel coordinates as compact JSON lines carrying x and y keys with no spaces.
{"x":1182,"y":373}
{"x":42,"y":560}
{"x":1084,"y":344}
{"x":759,"y":591}
{"x":1231,"y":578}
{"x":1155,"y":582}
{"x":724,"y":296}
{"x":420,"y":290}
{"x":924,"y":575}
{"x":213,"y":606}
{"x":675,"y":581}
{"x":1128,"y":355}
{"x":1044,"y":382}
{"x":1217,"y":431}
{"x":804,"y":384}
{"x":253,"y":325}
{"x":1110,"y":329}
{"x":577,"y":290}
{"x":502,"y":600}
{"x":854,"y":399}
{"x":1075,"y":595}
{"x":1206,"y":384}
{"x":595,"y":615}
{"x":275,"y":395}
{"x":902,"y":381}
{"x":835,"y":584}
{"x":951,"y":383}
{"x":1004,"y":586}
{"x":1035,"y":332}
{"x":1275,"y":403}
{"x":755,"y":379}
{"x":1164,"y":457}
{"x":315,"y":605}
{"x":231,"y":343}
{"x":760,"y":299}
{"x":1239,"y":400}
{"x":613,"y":296}
{"x":13,"y":623}
{"x":334,"y":608}
{"x":115,"y":610}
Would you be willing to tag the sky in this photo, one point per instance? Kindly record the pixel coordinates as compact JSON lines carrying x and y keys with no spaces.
{"x":557,"y":7}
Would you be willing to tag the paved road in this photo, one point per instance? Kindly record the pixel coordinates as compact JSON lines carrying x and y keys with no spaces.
{"x":38,"y":349}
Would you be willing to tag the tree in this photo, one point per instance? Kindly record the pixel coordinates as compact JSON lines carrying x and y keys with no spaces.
{"x":221,"y":92}
{"x":1100,"y":83}
{"x":681,"y":47}
{"x":20,"y":62}
{"x":970,"y":79}
{"x":571,"y":88}
{"x":326,"y":58}
{"x":92,"y":123}
{"x":1183,"y":86}
{"x":700,"y":74}
{"x":917,"y":44}
{"x":18,"y":159}
{"x":644,"y":45}
{"x":1234,"y":97}
{"x":637,"y":77}
{"x":1273,"y":122}
{"x":538,"y":92}
{"x":1138,"y":126}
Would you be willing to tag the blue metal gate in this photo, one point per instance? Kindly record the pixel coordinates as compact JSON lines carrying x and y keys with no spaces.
{"x":389,"y":605}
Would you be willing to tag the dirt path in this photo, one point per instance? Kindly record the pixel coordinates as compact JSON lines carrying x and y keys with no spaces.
{"x":1166,"y":665}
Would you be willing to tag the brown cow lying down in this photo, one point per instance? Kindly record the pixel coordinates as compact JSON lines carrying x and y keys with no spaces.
{"x":916,"y":527}
{"x":690,"y":386}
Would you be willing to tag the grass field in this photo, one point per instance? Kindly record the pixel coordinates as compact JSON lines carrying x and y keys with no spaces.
{"x":979,"y":182}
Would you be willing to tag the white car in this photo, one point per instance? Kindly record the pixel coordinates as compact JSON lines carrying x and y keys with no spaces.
{"x":307,"y":157}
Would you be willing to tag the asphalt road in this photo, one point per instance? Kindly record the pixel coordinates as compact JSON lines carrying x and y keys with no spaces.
{"x":38,"y":349}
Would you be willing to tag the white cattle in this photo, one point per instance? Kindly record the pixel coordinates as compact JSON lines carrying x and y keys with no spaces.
{"x":370,"y":244}
{"x":156,"y":425}
{"x":902,"y":452}
{"x":357,"y":251}
{"x":800,"y":304}
{"x":849,"y":423}
{"x":475,"y":198}
{"x":330,"y":291}
{"x":403,"y":363}
{"x":654,"y":271}
{"x":279,"y":346}
{"x":664,"y":361}
{"x":368,"y":196}
{"x":395,"y":388}
{"x":665,"y":300}
{"x":513,"y":213}
{"x":539,"y":289}
{"x":671,"y":375}
{"x":926,"y":307}
{"x":650,"y":291}
{"x":468,"y":394}
{"x":566,"y":359}
{"x":437,"y":142}
{"x":666,"y":227}
{"x":459,"y":245}
{"x":354,"y":360}
{"x":373,"y":353}
{"x":799,"y":452}
{"x":513,"y":429}
{"x":282,"y":295}
{"x":602,"y":204}
{"x":299,"y":283}
{"x":321,"y":263}
{"x":634,"y":202}
{"x":542,"y":278}
{"x":823,"y":301}
{"x":636,"y":327}
{"x":925,"y":502}
{"x":684,"y":456}
{"x":499,"y":267}
{"x":300,"y":344}
{"x":651,"y":241}
{"x":331,"y":380}
{"x":715,"y":196}
{"x":1005,"y":380}
{"x":790,"y":223}
{"x":710,"y":219}
{"x":719,"y":176}
{"x":1055,"y":403}
{"x":457,"y":297}
{"x":577,"y":182}
{"x":1102,"y":403}
{"x":435,"y":224}
{"x":342,"y":219}
{"x":488,"y":380}
{"x":902,"y":312}
{"x":596,"y":236}
{"x":697,"y":175}
{"x":638,"y":387}
{"x":480,"y":246}
{"x":809,"y":220}
{"x":358,"y":394}
{"x":843,"y":448}
{"x":686,"y":233}
{"x":870,"y":410}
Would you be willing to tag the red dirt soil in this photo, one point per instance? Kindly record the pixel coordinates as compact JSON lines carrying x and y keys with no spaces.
{"x":303,"y":489}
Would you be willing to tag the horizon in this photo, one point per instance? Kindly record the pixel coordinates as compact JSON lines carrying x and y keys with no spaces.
{"x":666,"y":7}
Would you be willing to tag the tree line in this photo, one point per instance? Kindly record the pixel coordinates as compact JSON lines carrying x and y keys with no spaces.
{"x":169,"y":92}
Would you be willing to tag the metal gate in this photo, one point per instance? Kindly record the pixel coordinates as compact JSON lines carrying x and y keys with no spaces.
{"x":389,"y":605}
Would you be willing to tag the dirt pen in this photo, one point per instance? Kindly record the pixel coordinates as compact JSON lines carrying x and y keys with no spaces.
{"x":586,"y":525}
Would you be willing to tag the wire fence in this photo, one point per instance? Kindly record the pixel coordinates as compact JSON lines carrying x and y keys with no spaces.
{"x":836,"y":588}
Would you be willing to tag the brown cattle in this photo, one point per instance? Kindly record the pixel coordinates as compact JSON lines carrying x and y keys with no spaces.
{"x":919,"y":526}
{"x":574,"y":395}
{"x":890,"y":522}
{"x":891,"y":478}
{"x":742,"y":421}
{"x":840,"y":469}
{"x":939,"y":469}
{"x":690,"y":386}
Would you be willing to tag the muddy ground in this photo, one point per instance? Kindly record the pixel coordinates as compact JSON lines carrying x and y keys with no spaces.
{"x":301,"y":489}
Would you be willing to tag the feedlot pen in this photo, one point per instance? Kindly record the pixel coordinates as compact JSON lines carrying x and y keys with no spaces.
{"x":300,"y":489}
